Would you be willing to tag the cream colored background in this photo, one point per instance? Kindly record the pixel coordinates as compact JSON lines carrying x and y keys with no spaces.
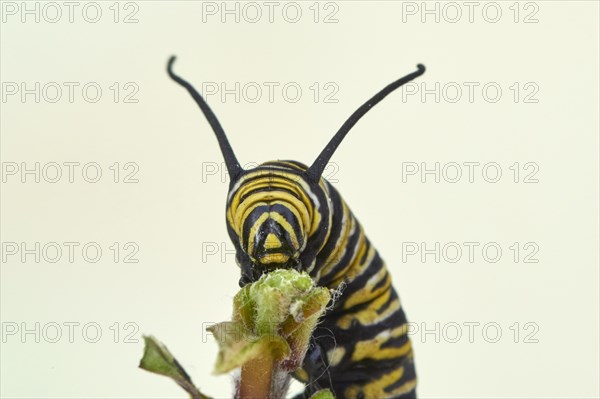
{"x":171,"y":292}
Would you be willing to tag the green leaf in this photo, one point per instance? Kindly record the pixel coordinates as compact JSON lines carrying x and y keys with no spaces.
{"x":238,"y":346}
{"x":157,"y":359}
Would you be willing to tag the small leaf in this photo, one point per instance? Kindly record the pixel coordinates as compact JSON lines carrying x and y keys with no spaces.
{"x":237,"y":347}
{"x":157,"y":359}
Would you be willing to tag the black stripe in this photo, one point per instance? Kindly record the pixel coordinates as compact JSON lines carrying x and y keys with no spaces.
{"x":289,"y":216}
{"x":249,"y":222}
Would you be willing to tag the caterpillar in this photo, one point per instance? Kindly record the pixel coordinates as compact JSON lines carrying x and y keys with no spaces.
{"x":284,"y":214}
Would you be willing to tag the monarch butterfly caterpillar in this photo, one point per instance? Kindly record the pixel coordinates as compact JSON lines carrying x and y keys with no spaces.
{"x":283,"y":214}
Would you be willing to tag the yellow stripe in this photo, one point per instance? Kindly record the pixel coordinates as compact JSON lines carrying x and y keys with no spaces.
{"x":369,"y":316}
{"x":371,"y":349}
{"x":366,"y":293}
{"x":266,"y":197}
{"x":359,"y":268}
{"x":360,"y":247}
{"x":242,"y":213}
{"x":298,"y":216}
{"x":287,"y":226}
{"x":376,"y":389}
{"x":278,"y":178}
{"x":269,"y":179}
{"x":253,"y":229}
{"x":335,"y":255}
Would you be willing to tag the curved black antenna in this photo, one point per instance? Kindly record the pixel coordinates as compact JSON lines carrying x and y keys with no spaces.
{"x":316,"y":169}
{"x":233,"y":166}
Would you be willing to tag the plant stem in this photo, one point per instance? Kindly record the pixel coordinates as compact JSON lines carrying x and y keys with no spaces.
{"x":256,"y":378}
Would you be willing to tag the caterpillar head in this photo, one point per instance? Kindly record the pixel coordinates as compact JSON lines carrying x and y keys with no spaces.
{"x":274,"y":221}
{"x":273,"y":212}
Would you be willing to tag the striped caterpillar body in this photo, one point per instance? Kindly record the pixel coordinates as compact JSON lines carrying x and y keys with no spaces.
{"x":283,"y":214}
